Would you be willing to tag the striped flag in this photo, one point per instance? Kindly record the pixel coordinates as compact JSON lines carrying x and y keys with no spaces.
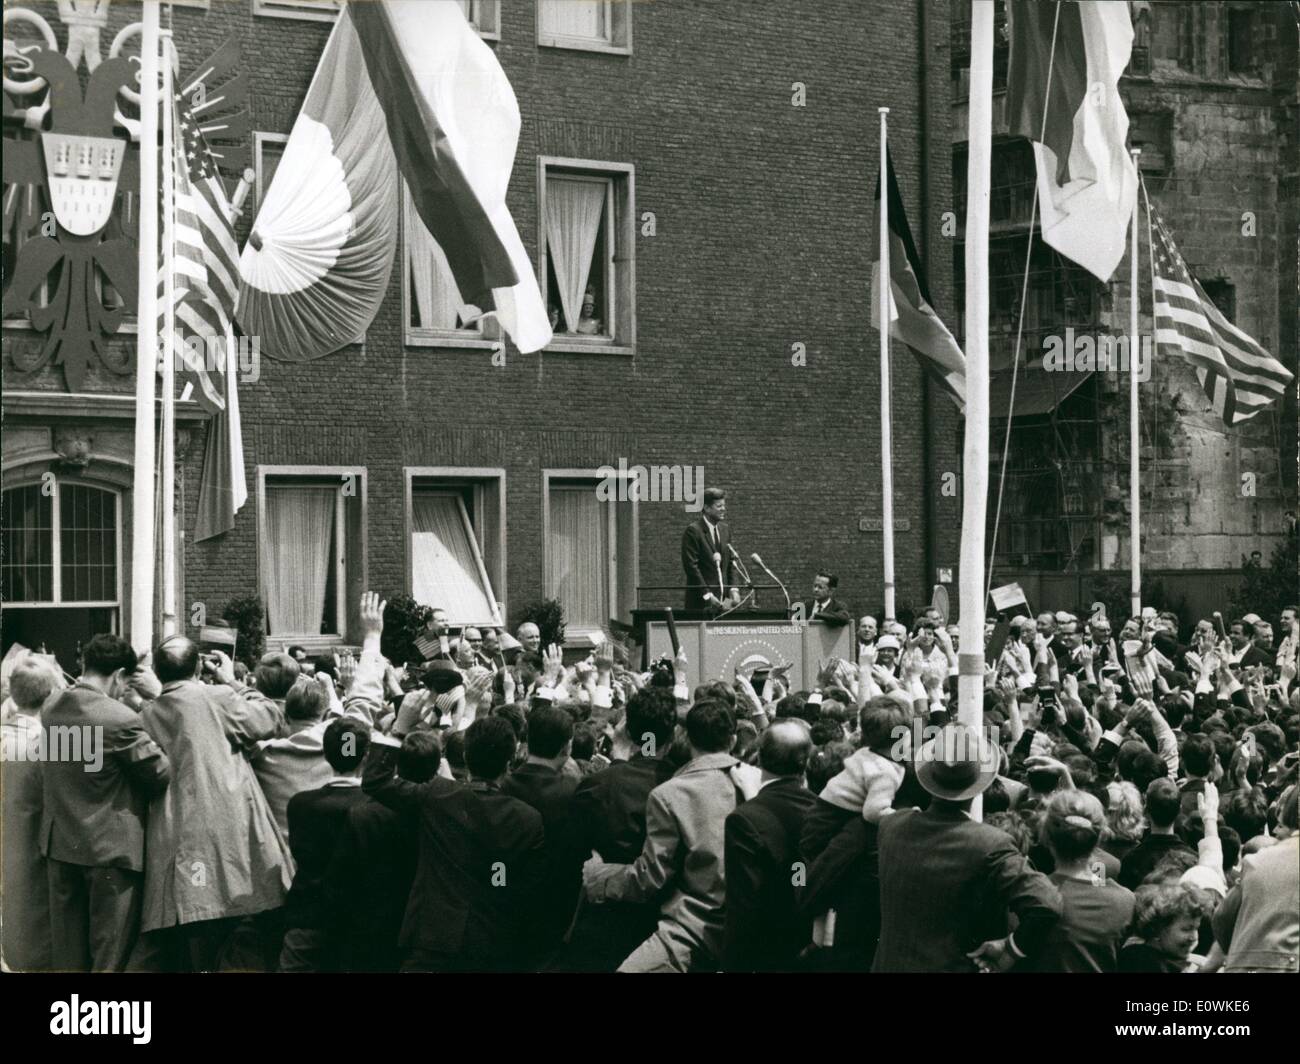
{"x":912,"y":317}
{"x":199,"y":247}
{"x":1238,"y":375}
{"x":205,"y":262}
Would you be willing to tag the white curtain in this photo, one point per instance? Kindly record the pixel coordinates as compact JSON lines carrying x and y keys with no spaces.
{"x":437,"y":299}
{"x":573,"y":210}
{"x":576,"y":18}
{"x":445,"y":560}
{"x":296,"y":556}
{"x":579,"y":553}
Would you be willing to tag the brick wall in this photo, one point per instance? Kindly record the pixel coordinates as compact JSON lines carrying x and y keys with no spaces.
{"x":765,"y":239}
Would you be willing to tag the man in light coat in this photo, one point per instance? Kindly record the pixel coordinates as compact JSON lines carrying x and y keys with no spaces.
{"x":682,"y":861}
{"x":213,"y":851}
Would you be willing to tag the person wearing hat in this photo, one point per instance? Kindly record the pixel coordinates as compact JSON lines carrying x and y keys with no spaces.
{"x":948,"y":884}
{"x":887,"y":651}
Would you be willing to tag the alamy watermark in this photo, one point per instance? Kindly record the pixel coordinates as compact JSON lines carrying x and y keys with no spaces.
{"x":656,"y":483}
{"x":208,"y":353}
{"x":1084,"y":353}
{"x":73,"y":743}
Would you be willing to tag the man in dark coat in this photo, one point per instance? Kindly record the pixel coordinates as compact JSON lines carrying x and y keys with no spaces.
{"x":706,"y":555}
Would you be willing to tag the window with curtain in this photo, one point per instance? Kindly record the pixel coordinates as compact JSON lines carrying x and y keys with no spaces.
{"x":579,"y":554}
{"x":433,"y":303}
{"x":595,"y":25}
{"x":267,"y":153}
{"x":580,"y":254}
{"x":59,"y":548}
{"x":446,"y":565}
{"x":301,"y":544}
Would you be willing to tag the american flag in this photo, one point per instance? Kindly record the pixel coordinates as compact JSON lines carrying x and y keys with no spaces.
{"x":1238,"y":375}
{"x":205,"y":263}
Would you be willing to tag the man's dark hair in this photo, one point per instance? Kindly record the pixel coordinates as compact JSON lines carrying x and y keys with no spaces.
{"x":1245,"y":628}
{"x":513,"y":714}
{"x":712,"y":495}
{"x":175,"y":659}
{"x":711,"y":726}
{"x":652,"y":711}
{"x":1246,"y":812}
{"x":719,"y":689}
{"x":489,"y":747}
{"x":295,"y":650}
{"x":826,"y":730}
{"x":785,"y":748}
{"x":346,"y":742}
{"x":325,"y":663}
{"x":796,"y":704}
{"x":306,"y":700}
{"x":1198,"y":755}
{"x":1140,"y":765}
{"x":832,"y":581}
{"x":584,"y":742}
{"x":105,"y":654}
{"x":420,"y":756}
{"x":549,"y":728}
{"x":1162,"y":802}
{"x":825,"y":763}
{"x":276,"y":674}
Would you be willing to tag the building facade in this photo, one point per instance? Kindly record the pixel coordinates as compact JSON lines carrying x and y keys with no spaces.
{"x":703,"y":180}
{"x":1211,"y":95}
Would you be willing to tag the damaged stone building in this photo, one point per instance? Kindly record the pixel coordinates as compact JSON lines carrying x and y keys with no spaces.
{"x":1211,"y":95}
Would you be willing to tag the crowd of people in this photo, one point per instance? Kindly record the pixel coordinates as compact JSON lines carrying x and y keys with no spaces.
{"x":1124,"y":802}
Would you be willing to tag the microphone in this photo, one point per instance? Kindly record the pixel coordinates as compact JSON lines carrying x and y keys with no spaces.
{"x":717,"y":565}
{"x":740,"y":565}
{"x":759,"y":562}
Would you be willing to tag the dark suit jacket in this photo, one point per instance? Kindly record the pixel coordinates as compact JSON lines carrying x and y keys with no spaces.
{"x":698,"y":565}
{"x":834,"y":612}
{"x":316,"y":822}
{"x":550,"y":792}
{"x":479,"y":866}
{"x":367,"y":886}
{"x":609,"y":806}
{"x":96,"y":818}
{"x":948,"y":884}
{"x":764,"y":930}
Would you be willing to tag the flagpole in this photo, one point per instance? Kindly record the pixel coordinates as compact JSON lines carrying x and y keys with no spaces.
{"x":1134,"y":424}
{"x":168,"y":503}
{"x":970,"y":680}
{"x":886,"y":431}
{"x":146,"y":361}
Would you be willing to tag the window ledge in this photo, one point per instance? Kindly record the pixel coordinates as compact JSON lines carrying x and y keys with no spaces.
{"x":579,"y":44}
{"x":466,"y":342}
{"x":579,"y":347}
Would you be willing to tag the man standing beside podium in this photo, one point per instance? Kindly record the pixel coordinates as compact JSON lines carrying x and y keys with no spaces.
{"x":706,"y":555}
{"x":823,"y":606}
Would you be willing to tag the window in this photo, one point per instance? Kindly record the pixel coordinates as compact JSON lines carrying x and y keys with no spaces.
{"x":60,"y":548}
{"x":590,"y":552}
{"x":1239,"y":46}
{"x":312,"y":555}
{"x":317,"y":10}
{"x":434,"y":314}
{"x":586,"y":251}
{"x":1223,"y":294}
{"x":456,"y":542}
{"x":484,"y":16}
{"x":268,"y":150}
{"x":592,"y":25}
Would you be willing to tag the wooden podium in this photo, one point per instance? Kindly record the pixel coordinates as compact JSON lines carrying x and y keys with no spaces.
{"x":743,"y":642}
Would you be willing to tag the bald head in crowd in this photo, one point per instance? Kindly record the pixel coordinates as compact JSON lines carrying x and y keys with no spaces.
{"x":175,"y":659}
{"x":785,"y":748}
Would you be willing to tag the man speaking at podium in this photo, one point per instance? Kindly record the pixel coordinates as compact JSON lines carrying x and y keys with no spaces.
{"x":706,"y":555}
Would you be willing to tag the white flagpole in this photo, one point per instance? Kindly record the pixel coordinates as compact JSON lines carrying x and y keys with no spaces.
{"x":1134,"y":425}
{"x":146,"y":361}
{"x":168,"y":501}
{"x":970,"y":679}
{"x":886,"y":442}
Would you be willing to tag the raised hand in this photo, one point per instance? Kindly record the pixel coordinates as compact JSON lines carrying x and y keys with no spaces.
{"x":372,"y":614}
{"x":553,"y":665}
{"x":220,"y":667}
{"x":347,"y":669}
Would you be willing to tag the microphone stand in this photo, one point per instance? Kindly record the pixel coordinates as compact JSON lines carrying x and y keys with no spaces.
{"x":773,"y":575}
{"x":731,"y":609}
